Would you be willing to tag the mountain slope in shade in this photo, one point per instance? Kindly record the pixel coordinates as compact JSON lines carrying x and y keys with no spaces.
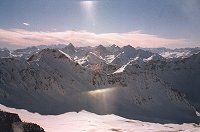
{"x":184,"y":75}
{"x":70,"y":50}
{"x":113,"y":48}
{"x":5,"y":53}
{"x":25,"y":53}
{"x":87,"y":121}
{"x":101,"y":51}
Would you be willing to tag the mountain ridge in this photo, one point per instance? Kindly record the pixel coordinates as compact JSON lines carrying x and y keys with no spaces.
{"x":52,"y":82}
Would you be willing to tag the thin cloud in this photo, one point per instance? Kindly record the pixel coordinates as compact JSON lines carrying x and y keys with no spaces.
{"x":83,"y":38}
{"x":26,"y":24}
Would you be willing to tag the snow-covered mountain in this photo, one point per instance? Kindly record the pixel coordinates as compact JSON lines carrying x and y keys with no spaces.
{"x":51,"y":82}
{"x":5,"y":53}
{"x":172,"y":54}
{"x":94,"y":55}
{"x":91,"y":58}
{"x":47,"y":75}
{"x":87,"y":56}
{"x":113,"y":48}
{"x":25,"y":53}
{"x":184,"y":75}
{"x":129,"y":53}
{"x":110,"y":54}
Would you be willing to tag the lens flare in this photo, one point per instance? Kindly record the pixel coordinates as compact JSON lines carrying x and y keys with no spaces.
{"x":87,"y":4}
{"x":89,"y":8}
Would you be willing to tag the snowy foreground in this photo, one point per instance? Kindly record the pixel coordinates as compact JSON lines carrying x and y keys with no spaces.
{"x":88,"y":122}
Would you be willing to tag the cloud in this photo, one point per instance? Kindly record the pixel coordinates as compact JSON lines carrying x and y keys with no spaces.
{"x":26,"y":24}
{"x":23,"y":37}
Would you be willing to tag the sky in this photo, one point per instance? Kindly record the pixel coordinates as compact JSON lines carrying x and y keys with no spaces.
{"x":143,"y":23}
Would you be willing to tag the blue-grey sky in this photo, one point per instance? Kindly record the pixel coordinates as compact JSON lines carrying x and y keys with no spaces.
{"x":169,"y":23}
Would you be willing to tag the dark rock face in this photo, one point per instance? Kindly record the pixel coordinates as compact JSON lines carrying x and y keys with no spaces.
{"x":31,"y":127}
{"x":10,"y":122}
{"x":26,"y":127}
{"x":6,"y":120}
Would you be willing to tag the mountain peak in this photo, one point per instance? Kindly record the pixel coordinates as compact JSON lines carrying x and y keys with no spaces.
{"x":128,"y":46}
{"x":128,"y":49}
{"x":101,"y":50}
{"x":55,"y":53}
{"x":71,"y":45}
{"x":100,"y":47}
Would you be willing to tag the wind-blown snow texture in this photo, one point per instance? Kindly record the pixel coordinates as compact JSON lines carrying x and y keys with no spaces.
{"x":84,"y":121}
{"x":132,"y":83}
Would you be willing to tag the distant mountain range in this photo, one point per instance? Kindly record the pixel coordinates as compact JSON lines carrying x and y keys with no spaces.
{"x":143,"y":84}
{"x":108,"y":53}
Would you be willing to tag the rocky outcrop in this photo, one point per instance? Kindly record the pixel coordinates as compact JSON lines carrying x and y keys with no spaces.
{"x":11,"y":122}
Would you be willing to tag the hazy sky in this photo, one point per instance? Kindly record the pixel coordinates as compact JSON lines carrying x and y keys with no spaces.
{"x":145,"y":23}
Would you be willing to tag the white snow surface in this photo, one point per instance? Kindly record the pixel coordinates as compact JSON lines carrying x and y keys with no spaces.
{"x":84,"y":121}
{"x":121,"y":69}
{"x":91,"y":58}
{"x":174,"y":54}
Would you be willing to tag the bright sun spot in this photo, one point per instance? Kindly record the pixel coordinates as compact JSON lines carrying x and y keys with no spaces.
{"x":87,"y":4}
{"x":100,"y":91}
{"x":88,"y":8}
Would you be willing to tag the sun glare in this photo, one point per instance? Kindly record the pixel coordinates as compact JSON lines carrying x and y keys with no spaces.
{"x":99,"y":91}
{"x":89,"y":8}
{"x":87,"y":4}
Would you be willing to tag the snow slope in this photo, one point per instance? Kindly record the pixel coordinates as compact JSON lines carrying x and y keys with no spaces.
{"x":90,"y":58}
{"x":84,"y":121}
{"x":128,"y":53}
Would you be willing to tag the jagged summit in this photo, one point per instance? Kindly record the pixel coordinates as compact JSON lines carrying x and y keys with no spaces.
{"x":114,"y":45}
{"x":91,"y":58}
{"x":70,"y":45}
{"x":100,"y":47}
{"x":51,"y":53}
{"x":100,"y":50}
{"x":155,"y":57}
{"x":128,"y":53}
{"x":128,"y":47}
{"x":70,"y":50}
{"x":113,"y":48}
